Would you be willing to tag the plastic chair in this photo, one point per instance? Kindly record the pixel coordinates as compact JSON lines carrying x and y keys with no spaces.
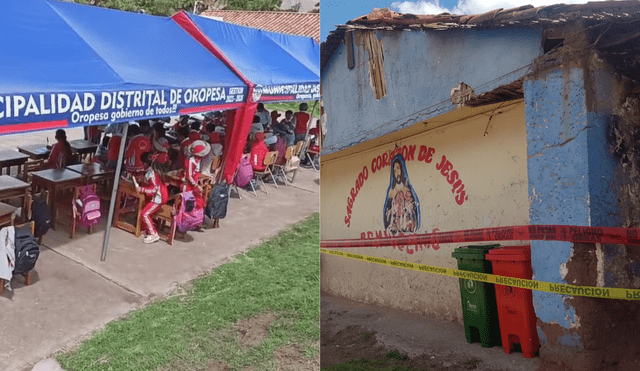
{"x":269,"y":161}
{"x":314,"y":152}
{"x":280,"y":168}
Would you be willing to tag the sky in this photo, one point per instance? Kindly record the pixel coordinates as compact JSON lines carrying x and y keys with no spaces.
{"x":334,"y":12}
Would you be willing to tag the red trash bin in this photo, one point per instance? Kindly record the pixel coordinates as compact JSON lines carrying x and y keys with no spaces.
{"x":515,"y":305}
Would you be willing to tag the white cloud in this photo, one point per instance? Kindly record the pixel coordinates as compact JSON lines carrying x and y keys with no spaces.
{"x":470,"y":6}
{"x":419,"y":7}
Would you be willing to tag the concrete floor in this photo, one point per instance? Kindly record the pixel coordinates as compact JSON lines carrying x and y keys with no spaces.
{"x":73,"y":293}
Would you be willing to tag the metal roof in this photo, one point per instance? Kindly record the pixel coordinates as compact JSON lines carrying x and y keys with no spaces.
{"x":524,"y":16}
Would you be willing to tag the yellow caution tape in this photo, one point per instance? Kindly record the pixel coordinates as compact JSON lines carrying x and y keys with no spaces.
{"x":556,"y":288}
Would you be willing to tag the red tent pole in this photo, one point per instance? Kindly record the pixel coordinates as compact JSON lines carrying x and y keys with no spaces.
{"x":242,"y":124}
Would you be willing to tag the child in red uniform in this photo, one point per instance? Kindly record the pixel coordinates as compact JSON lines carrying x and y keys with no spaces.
{"x":116,"y":130}
{"x":185,"y":142}
{"x":155,"y":191}
{"x":194,"y":152}
{"x":301,"y":120}
{"x":258,"y":153}
{"x":60,"y":153}
{"x":138,"y":144}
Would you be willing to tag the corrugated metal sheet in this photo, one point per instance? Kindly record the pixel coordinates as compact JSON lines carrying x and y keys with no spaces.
{"x":523,"y":16}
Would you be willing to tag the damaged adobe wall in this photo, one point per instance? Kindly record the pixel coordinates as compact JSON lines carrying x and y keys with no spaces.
{"x":400,"y":78}
{"x":582,"y":131}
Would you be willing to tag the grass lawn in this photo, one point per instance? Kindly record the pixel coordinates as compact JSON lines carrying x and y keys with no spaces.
{"x":283,"y":107}
{"x":198,"y":329}
{"x":392,"y":361}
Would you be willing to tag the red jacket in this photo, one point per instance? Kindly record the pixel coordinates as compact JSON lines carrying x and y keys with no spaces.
{"x":258,"y":153}
{"x":155,"y":189}
{"x":191,"y":171}
{"x":114,"y":148}
{"x":138,"y":145}
{"x":302,"y":119}
{"x":57,"y":158}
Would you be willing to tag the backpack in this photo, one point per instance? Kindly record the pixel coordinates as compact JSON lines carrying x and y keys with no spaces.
{"x":190,"y":216}
{"x":27,"y":250}
{"x":218,"y":200}
{"x":245,"y":173}
{"x":41,"y":215}
{"x":87,"y":207}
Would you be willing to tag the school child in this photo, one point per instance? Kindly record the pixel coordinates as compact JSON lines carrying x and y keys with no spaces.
{"x":102,"y":151}
{"x":194,"y":154}
{"x":155,"y":191}
{"x":138,"y":144}
{"x":60,"y":155}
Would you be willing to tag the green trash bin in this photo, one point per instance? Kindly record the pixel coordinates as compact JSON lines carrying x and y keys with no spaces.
{"x":479,"y":307}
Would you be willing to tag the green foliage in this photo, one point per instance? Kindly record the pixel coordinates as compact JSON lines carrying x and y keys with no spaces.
{"x":472,"y":362}
{"x":294,"y":106}
{"x":254,"y":4}
{"x":397,"y":355}
{"x":169,"y":7}
{"x":156,"y":7}
{"x":363,"y":364}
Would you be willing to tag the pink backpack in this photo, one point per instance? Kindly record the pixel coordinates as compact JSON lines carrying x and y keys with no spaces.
{"x":245,"y":173}
{"x":87,"y":207}
{"x":190,"y":216}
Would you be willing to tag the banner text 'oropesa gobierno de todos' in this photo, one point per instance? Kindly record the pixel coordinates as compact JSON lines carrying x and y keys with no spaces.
{"x":104,"y":107}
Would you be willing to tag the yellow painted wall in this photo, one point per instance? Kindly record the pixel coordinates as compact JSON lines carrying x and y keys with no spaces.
{"x":488,"y":151}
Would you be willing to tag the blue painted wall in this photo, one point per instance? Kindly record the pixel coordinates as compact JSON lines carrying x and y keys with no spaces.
{"x":558,"y":170}
{"x":420,"y":68}
{"x":572,"y":178}
{"x":603,"y":189}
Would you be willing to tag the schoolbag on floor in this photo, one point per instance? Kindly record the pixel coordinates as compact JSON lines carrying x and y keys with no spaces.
{"x":27,"y":250}
{"x":245,"y":173}
{"x":218,"y":200}
{"x":87,"y":207}
{"x":41,"y":215}
{"x":189,"y":216}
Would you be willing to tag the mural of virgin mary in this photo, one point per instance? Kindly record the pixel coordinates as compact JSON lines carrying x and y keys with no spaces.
{"x":401,"y":207}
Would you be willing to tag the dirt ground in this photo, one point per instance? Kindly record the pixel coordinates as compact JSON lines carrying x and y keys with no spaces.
{"x":351,"y":330}
{"x":252,"y":332}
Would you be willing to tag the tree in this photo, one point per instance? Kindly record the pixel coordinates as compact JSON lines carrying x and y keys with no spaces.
{"x":169,"y":7}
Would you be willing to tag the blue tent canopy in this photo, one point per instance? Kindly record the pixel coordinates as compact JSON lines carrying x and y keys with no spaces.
{"x":304,"y":49}
{"x":283,"y":67}
{"x":65,"y":64}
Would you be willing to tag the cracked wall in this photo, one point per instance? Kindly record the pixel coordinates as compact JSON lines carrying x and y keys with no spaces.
{"x":419,"y":69}
{"x":580,"y":173}
{"x":557,"y":167}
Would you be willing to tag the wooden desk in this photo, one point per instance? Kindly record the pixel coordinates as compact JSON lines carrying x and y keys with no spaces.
{"x":93,"y":171}
{"x":10,"y":158}
{"x":126,"y":190}
{"x":83,"y":147}
{"x":175,"y":177}
{"x":7,"y":214}
{"x":54,"y":180}
{"x":35,"y":151}
{"x":11,"y":187}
